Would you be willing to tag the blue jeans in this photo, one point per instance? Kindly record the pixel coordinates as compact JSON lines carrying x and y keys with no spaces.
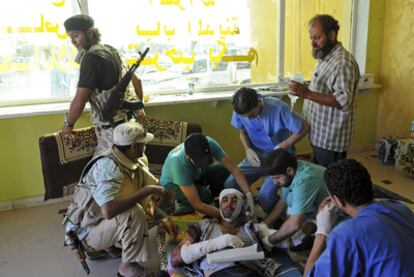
{"x":268,"y":190}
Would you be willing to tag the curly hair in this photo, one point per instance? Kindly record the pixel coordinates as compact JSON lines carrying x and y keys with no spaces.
{"x":244,"y":100}
{"x":277,"y":161}
{"x":96,"y":35}
{"x":350,"y":181}
{"x":328,"y":22}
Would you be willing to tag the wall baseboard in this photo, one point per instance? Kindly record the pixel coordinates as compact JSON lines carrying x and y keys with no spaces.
{"x":30,"y":202}
{"x":356,"y":149}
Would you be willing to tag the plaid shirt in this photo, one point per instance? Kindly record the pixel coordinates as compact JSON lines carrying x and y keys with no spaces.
{"x":337,"y":74}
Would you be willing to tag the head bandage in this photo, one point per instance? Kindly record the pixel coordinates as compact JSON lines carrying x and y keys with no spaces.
{"x":239,"y":206}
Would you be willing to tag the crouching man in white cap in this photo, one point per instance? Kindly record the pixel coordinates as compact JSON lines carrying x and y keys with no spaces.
{"x":107,"y":206}
{"x":232,"y":231}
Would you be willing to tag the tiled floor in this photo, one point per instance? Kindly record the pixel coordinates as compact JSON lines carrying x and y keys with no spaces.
{"x":386,"y":176}
{"x":31,"y":245}
{"x":31,"y":240}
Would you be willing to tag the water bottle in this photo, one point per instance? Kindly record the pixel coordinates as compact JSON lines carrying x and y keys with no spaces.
{"x":191,"y":88}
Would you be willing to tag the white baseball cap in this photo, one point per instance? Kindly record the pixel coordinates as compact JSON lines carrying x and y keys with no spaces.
{"x":129,"y":133}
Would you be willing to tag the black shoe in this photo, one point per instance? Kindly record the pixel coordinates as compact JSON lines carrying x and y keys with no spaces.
{"x":96,"y":255}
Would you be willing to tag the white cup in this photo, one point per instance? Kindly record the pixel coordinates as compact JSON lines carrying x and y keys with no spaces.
{"x":297,"y":77}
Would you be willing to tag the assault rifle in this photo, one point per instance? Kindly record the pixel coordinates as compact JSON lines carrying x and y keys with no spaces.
{"x":76,"y":245}
{"x":116,"y":100}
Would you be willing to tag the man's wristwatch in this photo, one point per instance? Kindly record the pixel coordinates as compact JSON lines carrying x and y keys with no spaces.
{"x":67,"y":124}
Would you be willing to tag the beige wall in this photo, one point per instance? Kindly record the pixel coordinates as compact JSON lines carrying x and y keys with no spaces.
{"x":396,"y":99}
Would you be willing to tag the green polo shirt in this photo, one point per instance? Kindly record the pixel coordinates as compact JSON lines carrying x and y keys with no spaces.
{"x":307,"y":189}
{"x":178,"y":171}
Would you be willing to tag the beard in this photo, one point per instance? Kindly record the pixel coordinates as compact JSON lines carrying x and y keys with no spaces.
{"x":320,"y":52}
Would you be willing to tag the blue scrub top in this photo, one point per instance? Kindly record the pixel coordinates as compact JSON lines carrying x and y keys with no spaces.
{"x":272,"y":126}
{"x":379,"y":241}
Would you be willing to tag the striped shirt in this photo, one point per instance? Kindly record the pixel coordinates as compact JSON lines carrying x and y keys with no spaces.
{"x":337,"y":74}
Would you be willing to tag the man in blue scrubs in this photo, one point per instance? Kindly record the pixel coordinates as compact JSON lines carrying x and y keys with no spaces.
{"x":377,"y":241}
{"x":265,"y":123}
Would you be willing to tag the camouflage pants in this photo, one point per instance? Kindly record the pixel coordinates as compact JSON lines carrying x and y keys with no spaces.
{"x":129,"y":229}
{"x":104,"y":138}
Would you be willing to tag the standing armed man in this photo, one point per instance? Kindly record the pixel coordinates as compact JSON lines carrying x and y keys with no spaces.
{"x":100,"y":70}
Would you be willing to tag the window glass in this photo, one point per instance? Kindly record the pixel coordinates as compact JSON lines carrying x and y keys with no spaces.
{"x":211,"y":43}
{"x":36,"y":59}
{"x":197,"y":41}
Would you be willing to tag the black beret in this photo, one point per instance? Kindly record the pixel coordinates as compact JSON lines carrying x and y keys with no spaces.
{"x":80,"y":22}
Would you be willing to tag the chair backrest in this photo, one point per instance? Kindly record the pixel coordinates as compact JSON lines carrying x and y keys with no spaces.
{"x":63,"y":160}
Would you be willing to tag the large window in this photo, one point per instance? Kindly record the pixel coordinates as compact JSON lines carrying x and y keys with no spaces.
{"x":198,"y":41}
{"x":36,"y":58}
{"x":210,"y":43}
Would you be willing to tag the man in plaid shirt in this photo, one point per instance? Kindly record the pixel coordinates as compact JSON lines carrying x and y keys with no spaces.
{"x":329,"y":101}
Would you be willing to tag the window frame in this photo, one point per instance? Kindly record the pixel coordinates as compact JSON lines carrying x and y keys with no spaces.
{"x":358,"y":48}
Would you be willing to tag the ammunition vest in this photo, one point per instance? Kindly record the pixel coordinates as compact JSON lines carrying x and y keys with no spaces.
{"x":98,"y":98}
{"x":84,"y":212}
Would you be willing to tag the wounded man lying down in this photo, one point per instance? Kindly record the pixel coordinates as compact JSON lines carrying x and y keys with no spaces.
{"x":232,"y":231}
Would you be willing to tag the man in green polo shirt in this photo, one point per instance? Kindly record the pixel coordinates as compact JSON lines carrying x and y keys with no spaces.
{"x":196,"y":171}
{"x":303,"y":189}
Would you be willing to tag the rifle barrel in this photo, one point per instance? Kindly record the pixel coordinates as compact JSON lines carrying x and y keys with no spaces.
{"x":139,"y":60}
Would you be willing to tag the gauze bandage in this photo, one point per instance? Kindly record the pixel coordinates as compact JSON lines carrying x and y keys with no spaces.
{"x":193,"y":252}
{"x":239,"y":206}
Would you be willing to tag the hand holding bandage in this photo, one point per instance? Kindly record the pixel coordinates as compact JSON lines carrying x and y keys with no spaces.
{"x":264,"y":232}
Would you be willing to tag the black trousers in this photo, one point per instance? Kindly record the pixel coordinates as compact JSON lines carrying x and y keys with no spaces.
{"x":325,"y":157}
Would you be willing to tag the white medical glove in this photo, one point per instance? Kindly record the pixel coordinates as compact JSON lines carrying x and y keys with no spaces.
{"x":264,"y":232}
{"x":326,"y":220}
{"x":252,"y":157}
{"x":195,"y":251}
{"x":249,"y":204}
